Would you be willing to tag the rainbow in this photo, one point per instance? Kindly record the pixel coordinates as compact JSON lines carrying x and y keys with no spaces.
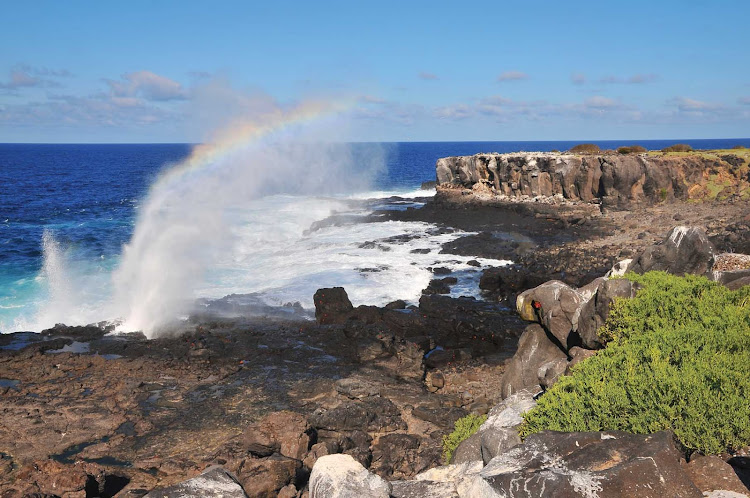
{"x":242,"y":133}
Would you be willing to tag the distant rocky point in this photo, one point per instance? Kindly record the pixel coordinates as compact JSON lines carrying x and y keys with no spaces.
{"x":611,"y":179}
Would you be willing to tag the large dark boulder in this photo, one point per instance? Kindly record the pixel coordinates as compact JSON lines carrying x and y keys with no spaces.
{"x":332,"y":305}
{"x":586,"y":464}
{"x":536,"y":354}
{"x":686,"y":250}
{"x":555,"y":305}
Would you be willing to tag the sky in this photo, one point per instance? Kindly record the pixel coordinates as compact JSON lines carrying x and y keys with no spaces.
{"x":163,"y":71}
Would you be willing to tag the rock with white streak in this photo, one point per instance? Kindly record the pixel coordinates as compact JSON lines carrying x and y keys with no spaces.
{"x":585,"y":465}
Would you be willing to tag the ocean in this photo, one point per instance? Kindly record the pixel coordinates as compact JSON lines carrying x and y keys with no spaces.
{"x":69,"y":213}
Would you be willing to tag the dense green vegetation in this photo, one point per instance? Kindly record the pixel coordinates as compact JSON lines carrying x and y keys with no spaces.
{"x":678,"y":358}
{"x":462,"y":429}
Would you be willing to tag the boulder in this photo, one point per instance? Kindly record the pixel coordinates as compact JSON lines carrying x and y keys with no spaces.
{"x":423,"y":489}
{"x":265,"y":477}
{"x":586,"y":464}
{"x":332,"y":305}
{"x":740,"y":282}
{"x":340,"y":476}
{"x":686,"y":250}
{"x":555,"y":305}
{"x":215,"y":482}
{"x":284,"y":432}
{"x":450,"y":473}
{"x":536,"y":353}
{"x":398,"y":456}
{"x":711,"y":473}
{"x":499,"y":432}
{"x":468,"y":450}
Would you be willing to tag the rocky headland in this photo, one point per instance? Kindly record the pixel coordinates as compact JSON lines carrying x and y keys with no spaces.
{"x":357,"y":402}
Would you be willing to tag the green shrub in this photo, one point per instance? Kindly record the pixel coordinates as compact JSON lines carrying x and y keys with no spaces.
{"x":678,"y":358}
{"x":738,"y":147}
{"x":678,"y":148}
{"x":585,"y":149}
{"x":631,"y":149}
{"x":462,"y":429}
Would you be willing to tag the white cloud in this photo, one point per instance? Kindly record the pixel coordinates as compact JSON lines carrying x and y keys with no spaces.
{"x":147,"y":85}
{"x":685,"y":104}
{"x":599,"y":102}
{"x":427,"y":76}
{"x":578,"y":78}
{"x":636,"y":79}
{"x":512,"y":76}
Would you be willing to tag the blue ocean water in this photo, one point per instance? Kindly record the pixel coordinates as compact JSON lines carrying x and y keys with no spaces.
{"x":87,"y":195}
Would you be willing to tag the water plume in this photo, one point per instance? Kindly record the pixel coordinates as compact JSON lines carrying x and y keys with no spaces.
{"x":183,"y":225}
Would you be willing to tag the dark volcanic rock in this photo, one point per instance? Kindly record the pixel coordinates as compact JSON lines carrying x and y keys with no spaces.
{"x":711,"y":473}
{"x":331,"y":304}
{"x":374,"y":414}
{"x":685,"y":250}
{"x":535,"y":351}
{"x":506,"y":281}
{"x":284,"y":432}
{"x":398,"y":456}
{"x":605,"y":464}
{"x":555,"y":305}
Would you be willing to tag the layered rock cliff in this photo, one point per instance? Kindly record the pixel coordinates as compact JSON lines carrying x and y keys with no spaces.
{"x":613,"y":179}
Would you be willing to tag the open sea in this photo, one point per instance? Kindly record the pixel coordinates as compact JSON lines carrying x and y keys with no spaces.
{"x":68,"y":212}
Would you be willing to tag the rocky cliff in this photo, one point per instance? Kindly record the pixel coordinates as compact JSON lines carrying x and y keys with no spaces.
{"x":613,"y":179}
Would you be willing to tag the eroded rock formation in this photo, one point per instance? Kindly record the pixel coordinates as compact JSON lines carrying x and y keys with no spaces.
{"x":613,"y":179}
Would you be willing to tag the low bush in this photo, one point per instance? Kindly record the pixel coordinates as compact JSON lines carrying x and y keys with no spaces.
{"x":631,"y":149}
{"x":585,"y":149}
{"x":738,"y":147}
{"x":462,"y":429}
{"x":678,"y":358}
{"x":678,"y":148}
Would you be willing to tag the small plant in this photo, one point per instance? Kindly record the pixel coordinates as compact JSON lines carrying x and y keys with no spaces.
{"x":462,"y":429}
{"x":662,"y":194}
{"x":631,"y":149}
{"x":585,"y":149}
{"x":678,"y":148}
{"x":677,"y":358}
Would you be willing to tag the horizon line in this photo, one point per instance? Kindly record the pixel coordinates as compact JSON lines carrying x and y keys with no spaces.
{"x":401,"y":141}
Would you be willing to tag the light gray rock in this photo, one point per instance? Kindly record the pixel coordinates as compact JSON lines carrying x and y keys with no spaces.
{"x":450,"y":473}
{"x":499,"y":432}
{"x":340,"y":476}
{"x":215,"y":482}
{"x":469,"y":450}
{"x":423,"y":489}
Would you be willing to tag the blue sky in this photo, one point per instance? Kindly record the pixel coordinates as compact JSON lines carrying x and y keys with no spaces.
{"x":170,"y":71}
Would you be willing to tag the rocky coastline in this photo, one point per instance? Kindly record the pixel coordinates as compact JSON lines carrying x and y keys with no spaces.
{"x":358,"y":401}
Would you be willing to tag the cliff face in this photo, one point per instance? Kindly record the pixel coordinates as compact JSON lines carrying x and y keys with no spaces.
{"x":618,"y":180}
